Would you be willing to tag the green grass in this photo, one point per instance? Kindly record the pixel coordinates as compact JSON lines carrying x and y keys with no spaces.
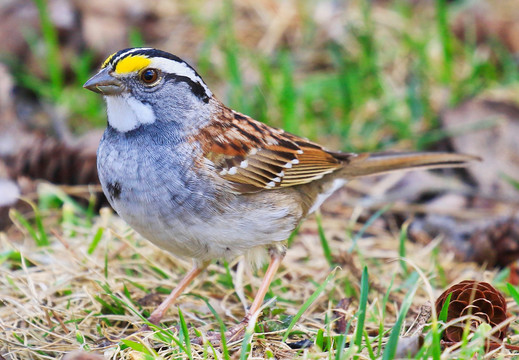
{"x":83,"y":110}
{"x":354,"y":97}
{"x":37,"y":231}
{"x":390,"y":349}
{"x":361,"y":317}
{"x":324,"y":241}
{"x":307,"y":304}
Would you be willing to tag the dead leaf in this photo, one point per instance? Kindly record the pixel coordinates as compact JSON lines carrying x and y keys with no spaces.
{"x":408,"y":346}
{"x":490,"y":130}
{"x":488,"y":20}
{"x":81,"y":355}
{"x":340,"y":315}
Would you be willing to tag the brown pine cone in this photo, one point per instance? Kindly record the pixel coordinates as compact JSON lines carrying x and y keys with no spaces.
{"x":479,"y":299}
{"x":496,"y":244}
{"x":27,"y":156}
{"x":57,"y":162}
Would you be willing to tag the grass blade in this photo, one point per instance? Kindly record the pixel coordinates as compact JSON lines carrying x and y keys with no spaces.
{"x":445,"y":308}
{"x":223,"y":329}
{"x":185,"y":334}
{"x":138,"y":347}
{"x":324,"y":241}
{"x":341,"y":341}
{"x":436,"y":331}
{"x":368,"y":223}
{"x":42,"y":235}
{"x":95,"y":241}
{"x":364,"y":289}
{"x":307,"y":304}
{"x":390,"y":350}
{"x":446,"y":38}
{"x":53,"y":60}
{"x":369,"y":346}
{"x":513,"y":292}
{"x":39,"y":235}
{"x":401,"y":247}
{"x":18,"y":218}
{"x":384,"y":304}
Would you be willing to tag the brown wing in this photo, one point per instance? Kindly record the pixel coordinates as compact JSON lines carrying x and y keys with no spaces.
{"x":253,"y":156}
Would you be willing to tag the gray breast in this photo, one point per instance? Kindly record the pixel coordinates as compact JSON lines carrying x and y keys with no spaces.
{"x":150,"y":181}
{"x":147,"y":168}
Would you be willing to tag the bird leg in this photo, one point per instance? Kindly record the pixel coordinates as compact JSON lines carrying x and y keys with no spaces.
{"x":276,"y":257}
{"x":160,"y":311}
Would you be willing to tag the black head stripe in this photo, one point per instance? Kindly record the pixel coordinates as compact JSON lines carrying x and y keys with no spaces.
{"x":195,"y":86}
{"x":148,"y":52}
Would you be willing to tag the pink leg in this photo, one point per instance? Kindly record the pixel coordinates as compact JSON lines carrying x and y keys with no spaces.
{"x":160,"y":311}
{"x":275,"y":260}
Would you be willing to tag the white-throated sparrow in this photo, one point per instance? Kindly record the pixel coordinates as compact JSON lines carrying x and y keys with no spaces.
{"x":204,"y":181}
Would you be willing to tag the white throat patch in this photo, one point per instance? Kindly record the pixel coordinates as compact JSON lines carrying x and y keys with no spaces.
{"x":126,"y":113}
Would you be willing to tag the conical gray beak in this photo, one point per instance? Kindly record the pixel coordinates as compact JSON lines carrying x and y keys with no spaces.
{"x":104,"y":83}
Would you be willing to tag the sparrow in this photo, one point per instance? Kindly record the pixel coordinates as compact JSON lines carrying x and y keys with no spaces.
{"x":206,"y":182}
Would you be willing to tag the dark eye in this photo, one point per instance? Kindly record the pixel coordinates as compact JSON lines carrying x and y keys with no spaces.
{"x":149,"y":76}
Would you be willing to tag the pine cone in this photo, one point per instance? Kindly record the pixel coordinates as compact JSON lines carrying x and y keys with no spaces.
{"x":27,"y":156}
{"x":49,"y":159}
{"x":497,"y":244}
{"x":479,"y":299}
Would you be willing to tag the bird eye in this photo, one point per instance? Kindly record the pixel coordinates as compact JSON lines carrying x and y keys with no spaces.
{"x":149,"y":76}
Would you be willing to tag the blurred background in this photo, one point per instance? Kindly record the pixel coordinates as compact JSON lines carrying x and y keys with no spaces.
{"x":354,"y":75}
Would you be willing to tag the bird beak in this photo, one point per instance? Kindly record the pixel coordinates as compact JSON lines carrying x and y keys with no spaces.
{"x":104,"y":83}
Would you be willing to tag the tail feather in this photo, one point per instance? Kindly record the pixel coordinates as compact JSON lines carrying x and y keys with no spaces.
{"x":378,"y":163}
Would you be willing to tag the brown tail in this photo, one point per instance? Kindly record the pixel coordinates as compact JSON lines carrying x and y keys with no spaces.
{"x":378,"y":163}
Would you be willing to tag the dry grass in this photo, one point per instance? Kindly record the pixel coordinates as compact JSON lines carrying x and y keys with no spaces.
{"x":59,"y":298}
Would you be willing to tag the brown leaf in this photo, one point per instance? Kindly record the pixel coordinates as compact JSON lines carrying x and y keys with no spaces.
{"x":488,"y":21}
{"x":408,"y":346}
{"x":6,"y":97}
{"x":340,"y":315}
{"x":16,"y":16}
{"x":490,"y":130}
{"x":81,"y":355}
{"x":422,"y":318}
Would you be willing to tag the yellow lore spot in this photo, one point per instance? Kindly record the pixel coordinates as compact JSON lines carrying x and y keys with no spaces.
{"x":132,"y":63}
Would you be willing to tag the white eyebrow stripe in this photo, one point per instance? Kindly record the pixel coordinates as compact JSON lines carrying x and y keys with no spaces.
{"x":126,"y":53}
{"x":179,"y":68}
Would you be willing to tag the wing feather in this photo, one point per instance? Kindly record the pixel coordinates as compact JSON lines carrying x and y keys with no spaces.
{"x":252,"y":156}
